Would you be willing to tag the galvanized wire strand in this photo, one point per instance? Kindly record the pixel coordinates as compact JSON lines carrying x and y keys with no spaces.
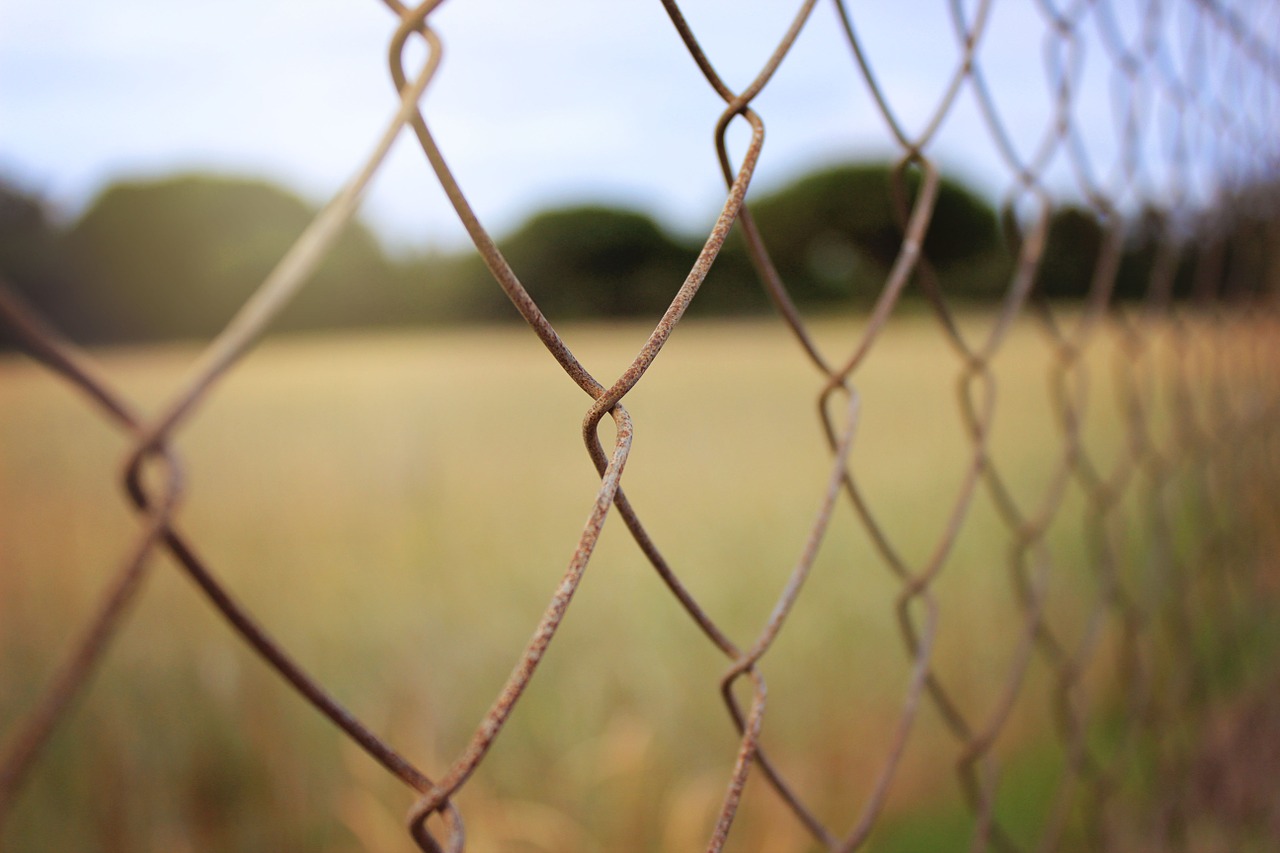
{"x":285,"y":280}
{"x":1193,"y":108}
{"x":606,"y":400}
{"x":292,"y":272}
{"x":41,"y":722}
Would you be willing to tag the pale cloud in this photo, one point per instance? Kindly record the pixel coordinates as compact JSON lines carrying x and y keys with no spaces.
{"x":535,"y":102}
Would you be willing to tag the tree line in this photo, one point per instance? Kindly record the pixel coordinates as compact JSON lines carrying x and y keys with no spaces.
{"x":175,"y":257}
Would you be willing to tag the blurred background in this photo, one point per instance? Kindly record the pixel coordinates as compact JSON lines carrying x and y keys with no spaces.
{"x":145,"y":146}
{"x":393,"y":481}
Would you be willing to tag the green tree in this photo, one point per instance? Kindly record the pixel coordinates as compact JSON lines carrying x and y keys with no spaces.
{"x":31,"y":262}
{"x":1070,"y":255}
{"x":177,"y":257}
{"x":592,"y":261}
{"x":834,"y":234}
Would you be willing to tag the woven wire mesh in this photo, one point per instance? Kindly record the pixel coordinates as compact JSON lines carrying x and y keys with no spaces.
{"x":1166,"y":605}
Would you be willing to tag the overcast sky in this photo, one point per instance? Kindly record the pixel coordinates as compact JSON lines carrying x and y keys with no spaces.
{"x":536,"y":102}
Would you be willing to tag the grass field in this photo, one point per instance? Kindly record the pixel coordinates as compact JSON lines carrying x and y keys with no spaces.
{"x":398,"y":509}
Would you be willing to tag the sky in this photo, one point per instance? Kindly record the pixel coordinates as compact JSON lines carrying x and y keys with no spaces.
{"x":535,"y":104}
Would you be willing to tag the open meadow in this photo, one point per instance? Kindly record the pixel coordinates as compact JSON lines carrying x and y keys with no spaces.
{"x":397,"y":509}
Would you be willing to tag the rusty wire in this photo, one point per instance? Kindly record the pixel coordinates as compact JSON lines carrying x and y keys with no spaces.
{"x":1221,"y":385}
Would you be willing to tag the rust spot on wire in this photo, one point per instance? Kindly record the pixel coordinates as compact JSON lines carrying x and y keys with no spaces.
{"x":1208,"y":373}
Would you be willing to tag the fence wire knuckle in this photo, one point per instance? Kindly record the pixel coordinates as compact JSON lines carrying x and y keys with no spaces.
{"x":1183,"y":373}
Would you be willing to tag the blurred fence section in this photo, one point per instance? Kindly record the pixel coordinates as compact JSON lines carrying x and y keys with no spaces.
{"x":1162,"y":690}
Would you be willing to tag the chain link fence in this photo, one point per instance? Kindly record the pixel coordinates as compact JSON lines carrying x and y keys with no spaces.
{"x":1178,"y":529}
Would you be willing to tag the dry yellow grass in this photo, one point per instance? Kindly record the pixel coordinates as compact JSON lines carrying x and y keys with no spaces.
{"x":397,"y":509}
